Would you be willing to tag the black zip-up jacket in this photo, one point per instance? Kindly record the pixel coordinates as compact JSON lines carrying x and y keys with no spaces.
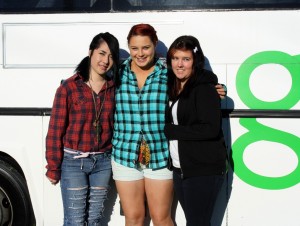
{"x":199,"y":133}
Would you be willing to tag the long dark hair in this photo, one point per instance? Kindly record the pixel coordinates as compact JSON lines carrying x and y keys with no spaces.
{"x":186,"y":42}
{"x":84,"y":66}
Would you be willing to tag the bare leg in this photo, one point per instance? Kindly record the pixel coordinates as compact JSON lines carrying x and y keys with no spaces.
{"x":132,"y":196}
{"x":159,"y":197}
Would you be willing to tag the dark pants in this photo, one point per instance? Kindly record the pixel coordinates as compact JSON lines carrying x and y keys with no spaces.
{"x":197,"y":196}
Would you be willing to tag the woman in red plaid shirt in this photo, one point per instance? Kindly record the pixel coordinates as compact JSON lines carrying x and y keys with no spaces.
{"x":78,"y":143}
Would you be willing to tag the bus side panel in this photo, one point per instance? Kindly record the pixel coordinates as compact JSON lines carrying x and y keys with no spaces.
{"x":264,"y":190}
{"x":21,"y":138}
{"x":262,"y":185}
{"x":52,"y":205}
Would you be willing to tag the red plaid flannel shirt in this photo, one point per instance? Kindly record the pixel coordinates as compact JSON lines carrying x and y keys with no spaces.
{"x":71,"y":122}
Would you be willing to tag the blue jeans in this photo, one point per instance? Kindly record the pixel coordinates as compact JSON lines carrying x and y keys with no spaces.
{"x":84,"y":187}
{"x":197,"y":196}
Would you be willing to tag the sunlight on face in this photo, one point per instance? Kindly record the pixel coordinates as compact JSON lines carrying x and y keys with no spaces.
{"x":182,"y":64}
{"x":142,"y":51}
{"x":101,"y":59}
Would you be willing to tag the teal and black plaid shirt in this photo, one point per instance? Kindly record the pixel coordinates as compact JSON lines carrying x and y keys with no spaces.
{"x":141,"y":113}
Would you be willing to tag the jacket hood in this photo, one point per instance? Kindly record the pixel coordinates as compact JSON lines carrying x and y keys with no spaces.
{"x":206,"y":77}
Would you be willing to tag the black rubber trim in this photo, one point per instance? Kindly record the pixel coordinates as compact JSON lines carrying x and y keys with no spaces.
{"x":227,"y":113}
{"x":25,"y":111}
{"x":249,"y":113}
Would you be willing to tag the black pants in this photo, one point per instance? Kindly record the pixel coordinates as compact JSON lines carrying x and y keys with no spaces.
{"x":197,"y":196}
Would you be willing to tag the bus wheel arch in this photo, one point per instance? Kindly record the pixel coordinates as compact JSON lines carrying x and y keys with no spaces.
{"x":15,"y":204}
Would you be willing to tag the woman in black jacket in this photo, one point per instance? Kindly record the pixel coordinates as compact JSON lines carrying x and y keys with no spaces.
{"x":193,"y":127}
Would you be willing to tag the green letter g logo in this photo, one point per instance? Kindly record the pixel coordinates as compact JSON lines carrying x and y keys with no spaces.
{"x":292,"y":64}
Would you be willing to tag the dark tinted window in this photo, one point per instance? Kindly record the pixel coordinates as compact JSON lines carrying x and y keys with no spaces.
{"x":40,"y":6}
{"x":205,"y":4}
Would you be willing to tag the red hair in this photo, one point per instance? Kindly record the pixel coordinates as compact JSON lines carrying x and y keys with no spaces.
{"x":143,"y":30}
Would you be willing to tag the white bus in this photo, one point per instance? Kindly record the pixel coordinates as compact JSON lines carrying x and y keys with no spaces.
{"x":252,"y":45}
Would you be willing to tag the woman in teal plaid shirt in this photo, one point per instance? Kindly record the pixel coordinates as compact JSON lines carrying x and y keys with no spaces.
{"x":140,"y":148}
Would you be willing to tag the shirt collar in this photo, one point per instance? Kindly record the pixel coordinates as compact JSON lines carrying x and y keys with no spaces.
{"x":79,"y":81}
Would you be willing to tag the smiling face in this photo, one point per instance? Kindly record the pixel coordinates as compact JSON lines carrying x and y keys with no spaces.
{"x":182,"y":65}
{"x":142,"y":51}
{"x":101,"y":60}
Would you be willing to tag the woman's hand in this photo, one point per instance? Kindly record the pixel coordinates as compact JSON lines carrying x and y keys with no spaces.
{"x":54,"y":182}
{"x":222,"y":90}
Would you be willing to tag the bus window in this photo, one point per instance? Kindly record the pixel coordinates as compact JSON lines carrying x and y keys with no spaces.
{"x":205,"y":4}
{"x":73,"y":6}
{"x":54,"y":6}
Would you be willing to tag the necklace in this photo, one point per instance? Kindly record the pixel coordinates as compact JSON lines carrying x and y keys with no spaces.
{"x":98,"y":112}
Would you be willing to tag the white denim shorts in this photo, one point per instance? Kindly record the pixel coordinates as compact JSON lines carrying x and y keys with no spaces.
{"x":124,"y":173}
